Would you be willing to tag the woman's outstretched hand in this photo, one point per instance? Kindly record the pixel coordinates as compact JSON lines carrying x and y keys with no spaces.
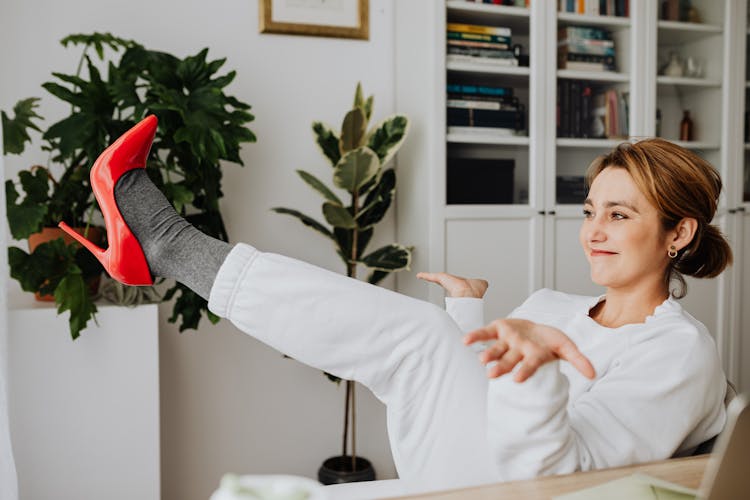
{"x":528,"y":343}
{"x":456,"y":286}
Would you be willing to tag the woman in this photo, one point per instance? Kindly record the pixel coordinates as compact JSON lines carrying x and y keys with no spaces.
{"x":623,"y":378}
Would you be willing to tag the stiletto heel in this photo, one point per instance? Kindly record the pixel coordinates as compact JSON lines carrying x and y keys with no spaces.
{"x":124,"y":259}
{"x":98,"y":252}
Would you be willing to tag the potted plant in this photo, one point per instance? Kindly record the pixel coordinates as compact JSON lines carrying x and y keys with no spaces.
{"x":359,"y":159}
{"x":199,"y":126}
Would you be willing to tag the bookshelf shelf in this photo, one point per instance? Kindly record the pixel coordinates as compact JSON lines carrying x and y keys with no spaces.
{"x":701,"y":145}
{"x":613,"y":22}
{"x":596,"y":76}
{"x":481,"y":68}
{"x":568,"y":142}
{"x":516,"y":18}
{"x":676,"y":32}
{"x":687,"y":82}
{"x":501,"y":11}
{"x":474,"y":138}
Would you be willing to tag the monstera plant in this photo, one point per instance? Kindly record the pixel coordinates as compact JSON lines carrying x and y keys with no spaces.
{"x":359,"y":158}
{"x":199,"y":127}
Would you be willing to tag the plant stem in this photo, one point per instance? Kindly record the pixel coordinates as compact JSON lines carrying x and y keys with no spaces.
{"x":346,"y":420}
{"x":354,"y":429}
{"x":351,"y":271}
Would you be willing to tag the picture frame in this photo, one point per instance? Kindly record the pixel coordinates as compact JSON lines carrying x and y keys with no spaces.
{"x":328,"y":18}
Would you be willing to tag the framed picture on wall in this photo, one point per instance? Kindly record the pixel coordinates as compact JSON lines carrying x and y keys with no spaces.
{"x":334,"y":18}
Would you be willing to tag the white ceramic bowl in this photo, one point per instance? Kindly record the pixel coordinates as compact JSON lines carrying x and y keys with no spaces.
{"x":269,"y":487}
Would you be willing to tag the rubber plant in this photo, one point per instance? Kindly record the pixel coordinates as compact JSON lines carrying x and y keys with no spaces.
{"x":116,"y":84}
{"x":359,"y":159}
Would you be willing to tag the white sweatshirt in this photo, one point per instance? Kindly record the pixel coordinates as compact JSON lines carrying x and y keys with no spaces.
{"x":658,"y":391}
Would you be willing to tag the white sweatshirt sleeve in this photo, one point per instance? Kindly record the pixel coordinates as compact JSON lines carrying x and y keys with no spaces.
{"x":641,"y":409}
{"x":467,"y":312}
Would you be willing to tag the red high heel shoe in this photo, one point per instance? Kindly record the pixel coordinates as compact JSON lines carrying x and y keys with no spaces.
{"x":124,"y":259}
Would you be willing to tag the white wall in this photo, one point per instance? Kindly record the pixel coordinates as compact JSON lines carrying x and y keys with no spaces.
{"x":228,"y":402}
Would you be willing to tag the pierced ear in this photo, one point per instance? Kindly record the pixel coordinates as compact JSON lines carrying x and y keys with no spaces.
{"x":684,"y":232}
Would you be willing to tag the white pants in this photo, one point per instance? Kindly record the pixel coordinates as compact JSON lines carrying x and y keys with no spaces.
{"x":406,"y":351}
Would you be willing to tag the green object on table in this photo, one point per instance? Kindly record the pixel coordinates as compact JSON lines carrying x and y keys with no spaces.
{"x":634,"y":487}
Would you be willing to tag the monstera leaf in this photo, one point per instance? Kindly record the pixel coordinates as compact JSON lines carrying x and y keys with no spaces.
{"x":16,"y":130}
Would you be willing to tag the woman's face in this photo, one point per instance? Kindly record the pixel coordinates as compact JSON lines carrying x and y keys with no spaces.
{"x":621,"y":234}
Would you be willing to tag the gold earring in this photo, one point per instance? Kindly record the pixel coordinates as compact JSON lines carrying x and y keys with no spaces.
{"x":672,"y":252}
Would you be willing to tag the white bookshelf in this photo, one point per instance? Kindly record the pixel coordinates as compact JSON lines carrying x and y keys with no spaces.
{"x":532,"y":241}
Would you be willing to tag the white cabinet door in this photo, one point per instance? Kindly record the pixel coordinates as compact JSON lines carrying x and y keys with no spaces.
{"x":741,"y":258}
{"x":708,"y":301}
{"x":566,"y":264}
{"x":500,"y":251}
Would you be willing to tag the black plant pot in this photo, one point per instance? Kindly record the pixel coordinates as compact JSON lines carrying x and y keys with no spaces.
{"x":337,"y":470}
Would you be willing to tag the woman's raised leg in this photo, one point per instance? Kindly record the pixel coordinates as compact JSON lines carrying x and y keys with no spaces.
{"x":408,"y":352}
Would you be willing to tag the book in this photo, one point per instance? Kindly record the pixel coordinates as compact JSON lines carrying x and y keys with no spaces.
{"x":480,"y":104}
{"x":482,"y":131}
{"x":580,"y":62}
{"x":479,"y":52}
{"x":486,"y":90}
{"x":587,"y":66}
{"x":480,"y":29}
{"x":583,"y":33}
{"x":487,"y":61}
{"x":471,"y":117}
{"x":603,"y":47}
{"x":476,"y":37}
{"x":478,"y":45}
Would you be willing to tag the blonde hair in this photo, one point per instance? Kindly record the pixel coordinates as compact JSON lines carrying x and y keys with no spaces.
{"x":680,"y":184}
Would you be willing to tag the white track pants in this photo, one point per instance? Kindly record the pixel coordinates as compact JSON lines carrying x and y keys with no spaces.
{"x":406,"y":351}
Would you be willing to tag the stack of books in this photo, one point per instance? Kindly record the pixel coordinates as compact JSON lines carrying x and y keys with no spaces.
{"x":484,"y":109}
{"x":596,"y":7}
{"x":588,"y":111}
{"x":585,"y":49}
{"x":480,"y":44}
{"x":511,"y":3}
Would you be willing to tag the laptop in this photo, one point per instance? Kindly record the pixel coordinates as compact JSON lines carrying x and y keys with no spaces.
{"x":727,"y":475}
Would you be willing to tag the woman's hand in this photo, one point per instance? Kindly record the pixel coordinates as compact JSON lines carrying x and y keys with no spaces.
{"x":456,"y":286}
{"x":528,"y":343}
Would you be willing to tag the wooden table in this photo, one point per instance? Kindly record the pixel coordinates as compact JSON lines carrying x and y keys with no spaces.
{"x":686,"y":472}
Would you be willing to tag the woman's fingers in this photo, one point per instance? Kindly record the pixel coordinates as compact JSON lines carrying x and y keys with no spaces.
{"x":483,"y":334}
{"x":431,"y":277}
{"x":493,"y":352}
{"x":528,"y":367}
{"x":456,"y":286}
{"x":568,"y":351}
{"x":505,"y":364}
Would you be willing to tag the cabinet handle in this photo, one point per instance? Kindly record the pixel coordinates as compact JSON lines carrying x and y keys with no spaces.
{"x":740,"y":209}
{"x":541,"y":212}
{"x":732,"y":210}
{"x":552,"y":212}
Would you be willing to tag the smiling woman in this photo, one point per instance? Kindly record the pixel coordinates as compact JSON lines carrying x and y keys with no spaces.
{"x":624,"y":378}
{"x":680,"y":192}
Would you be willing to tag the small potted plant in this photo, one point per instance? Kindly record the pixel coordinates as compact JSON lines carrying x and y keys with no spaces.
{"x":359,"y":158}
{"x":199,"y":126}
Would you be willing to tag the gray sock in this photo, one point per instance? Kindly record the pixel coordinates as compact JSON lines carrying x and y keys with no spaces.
{"x":173,"y":247}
